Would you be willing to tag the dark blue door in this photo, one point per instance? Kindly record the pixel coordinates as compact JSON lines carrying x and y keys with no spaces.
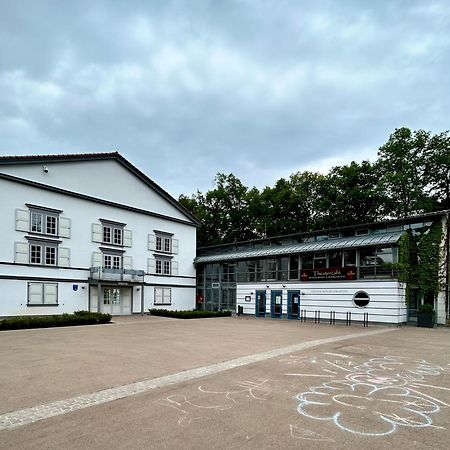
{"x":276,"y":304}
{"x":260,"y":307}
{"x":293,"y":305}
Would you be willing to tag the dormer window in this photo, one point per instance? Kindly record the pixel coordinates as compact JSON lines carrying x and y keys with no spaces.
{"x":362,"y":232}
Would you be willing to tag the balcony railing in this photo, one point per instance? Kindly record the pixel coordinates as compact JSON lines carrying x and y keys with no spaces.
{"x":104,"y":274}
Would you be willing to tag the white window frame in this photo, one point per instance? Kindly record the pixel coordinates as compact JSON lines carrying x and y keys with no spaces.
{"x":44,"y":226}
{"x":112,"y":261}
{"x":163,"y":243}
{"x":113,"y":231}
{"x":43,"y":247}
{"x":43,"y":301}
{"x":163,"y":266}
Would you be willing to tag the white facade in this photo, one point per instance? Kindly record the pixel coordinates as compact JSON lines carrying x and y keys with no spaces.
{"x":387,"y":299}
{"x":91,"y":232}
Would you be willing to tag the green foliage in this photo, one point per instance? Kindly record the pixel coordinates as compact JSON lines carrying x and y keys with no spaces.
{"x":428,"y":269}
{"x":403,"y":269}
{"x":425,"y":309}
{"x":193,"y":314}
{"x":62,"y":320}
{"x":419,"y":260}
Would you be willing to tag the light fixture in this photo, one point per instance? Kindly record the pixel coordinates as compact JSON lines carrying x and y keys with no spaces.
{"x":45,"y":169}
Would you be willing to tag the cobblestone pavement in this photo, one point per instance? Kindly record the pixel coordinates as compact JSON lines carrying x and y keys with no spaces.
{"x":33,"y":414}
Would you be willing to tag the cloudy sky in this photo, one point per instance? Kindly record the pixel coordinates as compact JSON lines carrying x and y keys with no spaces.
{"x":186,"y":89}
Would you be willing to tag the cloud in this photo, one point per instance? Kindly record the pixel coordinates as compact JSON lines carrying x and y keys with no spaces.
{"x":188,"y":89}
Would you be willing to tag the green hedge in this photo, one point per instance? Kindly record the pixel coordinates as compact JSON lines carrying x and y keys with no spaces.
{"x":62,"y":320}
{"x":193,"y":314}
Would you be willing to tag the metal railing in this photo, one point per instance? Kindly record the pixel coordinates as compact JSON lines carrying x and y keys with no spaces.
{"x":104,"y":274}
{"x":348,"y":317}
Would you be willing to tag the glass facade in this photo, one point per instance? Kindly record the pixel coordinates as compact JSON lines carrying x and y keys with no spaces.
{"x":216,"y":282}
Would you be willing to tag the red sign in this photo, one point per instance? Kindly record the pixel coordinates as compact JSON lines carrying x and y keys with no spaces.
{"x":341,"y":273}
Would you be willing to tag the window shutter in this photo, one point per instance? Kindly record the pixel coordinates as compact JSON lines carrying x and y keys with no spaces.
{"x":151,"y":265}
{"x":97,"y":232}
{"x":64,"y":227}
{"x":22,"y":220}
{"x":50,"y":294}
{"x":158,"y":295}
{"x":63,"y":256}
{"x":167,"y":296}
{"x":21,"y":252}
{"x":151,"y":242}
{"x":97,"y":259}
{"x":127,"y":238}
{"x":35,"y":293}
{"x":175,"y":246}
{"x":127,"y":262}
{"x":174,"y":267}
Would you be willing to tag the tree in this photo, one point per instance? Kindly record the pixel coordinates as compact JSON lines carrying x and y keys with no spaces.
{"x":401,"y":165}
{"x":437,"y":170}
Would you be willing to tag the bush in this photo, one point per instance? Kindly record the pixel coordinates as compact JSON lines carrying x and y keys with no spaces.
{"x":192,"y":314}
{"x":62,"y":320}
{"x":426,"y":308}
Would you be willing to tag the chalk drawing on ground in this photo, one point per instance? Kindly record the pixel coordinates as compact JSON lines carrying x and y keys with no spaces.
{"x":212,"y":402}
{"x":308,"y":435}
{"x":376,"y":397}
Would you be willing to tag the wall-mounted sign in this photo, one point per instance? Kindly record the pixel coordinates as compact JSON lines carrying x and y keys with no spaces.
{"x":75,"y":287}
{"x":248,"y":298}
{"x":343,"y":273}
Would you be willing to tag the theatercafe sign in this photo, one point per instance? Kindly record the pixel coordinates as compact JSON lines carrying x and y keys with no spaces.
{"x":343,"y":273}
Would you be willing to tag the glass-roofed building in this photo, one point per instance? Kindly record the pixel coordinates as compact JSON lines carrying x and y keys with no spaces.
{"x":353,"y":269}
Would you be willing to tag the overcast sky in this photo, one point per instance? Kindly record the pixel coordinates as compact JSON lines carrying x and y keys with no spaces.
{"x":186,"y":89}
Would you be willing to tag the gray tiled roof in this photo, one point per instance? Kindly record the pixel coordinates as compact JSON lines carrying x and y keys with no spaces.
{"x":329,"y":244}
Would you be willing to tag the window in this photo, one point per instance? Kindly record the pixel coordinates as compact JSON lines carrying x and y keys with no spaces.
{"x":112,"y":261}
{"x":362,"y":232}
{"x":163,"y":244}
{"x":43,"y":254}
{"x":44,"y":223}
{"x":163,"y":266}
{"x":113,"y":235}
{"x":293,"y":267}
{"x":307,"y":261}
{"x":167,"y":244}
{"x":111,"y":296}
{"x":361,"y":299}
{"x":166,"y":268}
{"x":159,"y":243}
{"x":320,"y":260}
{"x":335,"y":258}
{"x":118,"y":236}
{"x":40,"y":294}
{"x":163,"y":296}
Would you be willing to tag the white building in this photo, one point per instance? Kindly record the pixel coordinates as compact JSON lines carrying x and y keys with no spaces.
{"x":353,"y":271}
{"x":91,"y":231}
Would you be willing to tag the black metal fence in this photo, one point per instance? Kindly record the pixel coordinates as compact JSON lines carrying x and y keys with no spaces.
{"x":330,"y":317}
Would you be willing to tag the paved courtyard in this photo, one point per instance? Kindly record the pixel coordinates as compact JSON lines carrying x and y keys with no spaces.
{"x":149,"y":382}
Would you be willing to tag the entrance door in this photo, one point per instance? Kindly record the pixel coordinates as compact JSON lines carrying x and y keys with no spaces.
{"x":116,"y":301}
{"x":276,"y":304}
{"x":293,"y":304}
{"x":413,"y":305}
{"x":260,"y":306}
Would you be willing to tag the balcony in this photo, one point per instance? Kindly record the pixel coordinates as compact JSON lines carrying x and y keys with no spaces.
{"x":125,"y":275}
